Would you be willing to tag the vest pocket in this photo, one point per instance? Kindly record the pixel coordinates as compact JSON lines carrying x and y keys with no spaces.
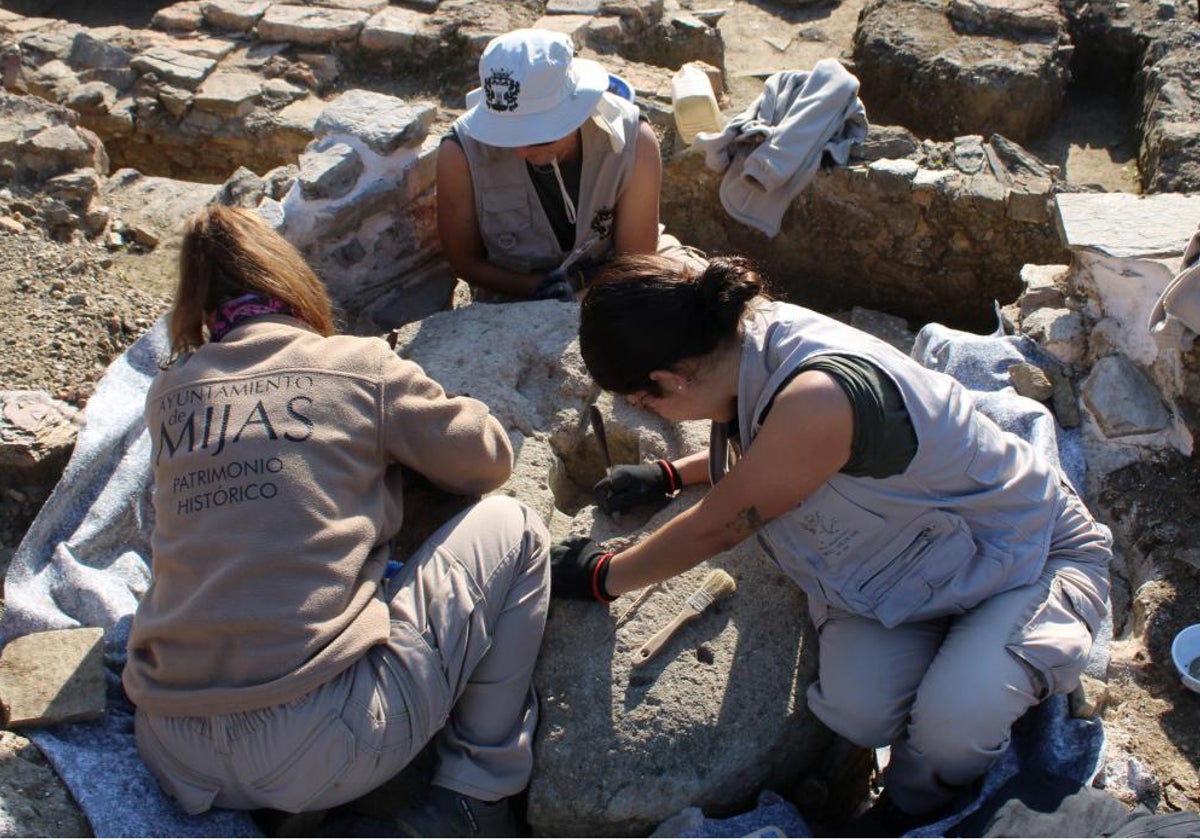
{"x":505,"y":218}
{"x":924,"y":556}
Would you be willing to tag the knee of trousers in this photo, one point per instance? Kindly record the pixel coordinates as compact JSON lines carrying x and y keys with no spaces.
{"x":859,"y":719}
{"x":521,"y":529}
{"x":955,"y":733}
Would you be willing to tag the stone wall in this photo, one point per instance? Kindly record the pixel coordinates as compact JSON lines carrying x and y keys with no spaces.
{"x":929,"y":231}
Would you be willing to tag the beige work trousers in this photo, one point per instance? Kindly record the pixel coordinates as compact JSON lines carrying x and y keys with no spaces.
{"x":944,"y":693}
{"x":468,"y":610}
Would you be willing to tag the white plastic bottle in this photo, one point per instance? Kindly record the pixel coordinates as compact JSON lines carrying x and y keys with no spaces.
{"x":694,"y":103}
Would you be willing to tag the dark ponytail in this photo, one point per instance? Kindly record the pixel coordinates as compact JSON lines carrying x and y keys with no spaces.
{"x":646,"y":312}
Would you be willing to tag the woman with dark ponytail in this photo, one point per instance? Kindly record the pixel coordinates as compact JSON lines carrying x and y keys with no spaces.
{"x":954,"y":574}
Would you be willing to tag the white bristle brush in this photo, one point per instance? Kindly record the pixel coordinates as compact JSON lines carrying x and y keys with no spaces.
{"x":716,"y":585}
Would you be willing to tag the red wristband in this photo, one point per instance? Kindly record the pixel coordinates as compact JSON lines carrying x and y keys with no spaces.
{"x":673,"y":477}
{"x":598,"y":590}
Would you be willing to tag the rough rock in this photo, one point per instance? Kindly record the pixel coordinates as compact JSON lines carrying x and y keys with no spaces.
{"x":1123,"y":400}
{"x":37,"y":434}
{"x":52,"y":677}
{"x":309,"y":24}
{"x":1031,"y":381}
{"x":1060,"y":331}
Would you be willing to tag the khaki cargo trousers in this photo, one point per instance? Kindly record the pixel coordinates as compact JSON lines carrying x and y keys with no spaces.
{"x":944,"y":693}
{"x":468,"y":610}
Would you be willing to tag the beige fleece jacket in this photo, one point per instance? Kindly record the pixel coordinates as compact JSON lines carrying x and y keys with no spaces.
{"x":276,"y":456}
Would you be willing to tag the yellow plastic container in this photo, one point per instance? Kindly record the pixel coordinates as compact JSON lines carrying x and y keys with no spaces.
{"x":694,"y":103}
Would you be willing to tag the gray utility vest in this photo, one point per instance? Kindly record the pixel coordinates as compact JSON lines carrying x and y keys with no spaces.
{"x":514,"y":227}
{"x":971,"y":516}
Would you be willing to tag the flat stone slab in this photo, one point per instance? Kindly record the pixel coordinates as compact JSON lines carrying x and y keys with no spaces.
{"x":234,"y":15}
{"x":53,"y":677}
{"x":181,"y":17}
{"x":1126,"y":225}
{"x":229,"y":94}
{"x":573,"y":7}
{"x":384,"y":123}
{"x":1009,"y":16}
{"x":310,"y":24}
{"x":394,"y":28}
{"x":173,"y":66}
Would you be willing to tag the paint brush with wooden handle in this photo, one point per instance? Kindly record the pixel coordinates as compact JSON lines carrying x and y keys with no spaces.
{"x":716,"y":585}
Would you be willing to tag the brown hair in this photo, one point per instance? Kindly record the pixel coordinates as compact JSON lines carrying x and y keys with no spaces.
{"x":229,"y":251}
{"x":647,"y":312}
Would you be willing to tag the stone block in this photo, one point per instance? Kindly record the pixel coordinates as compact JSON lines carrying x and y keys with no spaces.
{"x":90,"y":53}
{"x":75,"y":188}
{"x":234,"y":15}
{"x":893,"y":177}
{"x":1045,"y":285}
{"x":173,"y":66}
{"x":310,"y":25}
{"x":1123,"y":400}
{"x":55,"y":150}
{"x":573,"y":7}
{"x":50,"y":44}
{"x":179,"y":17}
{"x":229,"y":94}
{"x":53,"y":677}
{"x":887,"y":141}
{"x":37,"y":435}
{"x":1126,"y":225}
{"x":214,"y":49}
{"x":329,"y":173}
{"x":1060,"y":332}
{"x":384,"y":123}
{"x":395,"y":29}
{"x":605,"y":31}
{"x":370,"y":7}
{"x":92,"y":98}
{"x":1029,"y":204}
{"x":1010,"y":18}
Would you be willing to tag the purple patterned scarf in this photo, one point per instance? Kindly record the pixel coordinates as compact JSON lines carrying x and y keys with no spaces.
{"x":230,"y":313}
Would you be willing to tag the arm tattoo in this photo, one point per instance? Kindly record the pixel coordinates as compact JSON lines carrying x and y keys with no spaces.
{"x":746,"y":522}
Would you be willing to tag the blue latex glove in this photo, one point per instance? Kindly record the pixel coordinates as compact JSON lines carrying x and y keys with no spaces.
{"x":557,"y":285}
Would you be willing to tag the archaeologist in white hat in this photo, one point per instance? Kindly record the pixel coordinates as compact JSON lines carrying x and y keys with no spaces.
{"x":549,"y":172}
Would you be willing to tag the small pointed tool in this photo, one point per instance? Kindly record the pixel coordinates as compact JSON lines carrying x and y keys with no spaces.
{"x":716,"y":585}
{"x":601,"y":438}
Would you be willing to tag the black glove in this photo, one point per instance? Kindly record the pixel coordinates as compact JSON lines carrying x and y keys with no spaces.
{"x":557,"y":285}
{"x":629,"y":486}
{"x":578,"y":569}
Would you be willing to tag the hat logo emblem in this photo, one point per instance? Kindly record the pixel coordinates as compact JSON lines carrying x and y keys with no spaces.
{"x":500,"y":90}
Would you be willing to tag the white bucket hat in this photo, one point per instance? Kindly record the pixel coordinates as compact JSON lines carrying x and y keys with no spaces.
{"x":532,"y":90}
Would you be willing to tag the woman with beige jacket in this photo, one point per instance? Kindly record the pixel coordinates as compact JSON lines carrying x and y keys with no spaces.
{"x":272,"y":663}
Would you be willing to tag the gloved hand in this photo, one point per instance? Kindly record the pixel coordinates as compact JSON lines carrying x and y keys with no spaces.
{"x":578,"y":569}
{"x":628,"y":486}
{"x":557,"y":285}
